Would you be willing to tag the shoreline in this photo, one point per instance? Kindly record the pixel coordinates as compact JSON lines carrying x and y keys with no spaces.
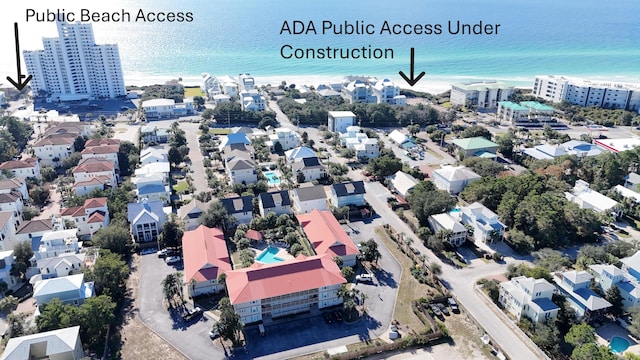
{"x":434,"y":85}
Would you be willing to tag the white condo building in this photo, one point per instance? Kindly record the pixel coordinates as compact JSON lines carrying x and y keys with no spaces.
{"x":604,"y":94}
{"x":73,"y":67}
{"x":483,"y":94}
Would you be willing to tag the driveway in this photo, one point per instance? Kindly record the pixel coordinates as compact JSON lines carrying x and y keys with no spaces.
{"x":191,"y":339}
{"x":461,"y":281}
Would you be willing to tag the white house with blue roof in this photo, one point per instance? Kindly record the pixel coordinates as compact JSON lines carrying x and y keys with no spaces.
{"x":529,"y":297}
{"x":70,"y":289}
{"x":486,"y":225}
{"x":608,"y":276}
{"x":576,"y":286}
{"x":237,"y":138}
{"x":152,"y":188}
{"x":146,"y":220}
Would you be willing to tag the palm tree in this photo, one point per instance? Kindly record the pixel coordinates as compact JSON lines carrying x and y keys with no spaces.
{"x":169,"y":288}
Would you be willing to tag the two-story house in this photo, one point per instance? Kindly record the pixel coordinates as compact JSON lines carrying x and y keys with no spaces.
{"x":152,"y":188}
{"x":386,"y":92}
{"x":8,"y":239}
{"x":90,"y":217}
{"x":153,"y":154}
{"x":51,"y":150}
{"x":286,"y":137}
{"x":276,"y":202}
{"x":146,"y":220}
{"x":576,"y":286}
{"x":310,"y":168}
{"x":608,"y":276}
{"x":61,"y":265}
{"x":13,"y":203}
{"x":109,"y":152}
{"x":241,"y":170}
{"x":453,"y":178}
{"x":6,"y":262}
{"x":299,"y":153}
{"x":33,"y":230}
{"x":305,"y":199}
{"x":529,"y":297}
{"x":190,"y":214}
{"x":95,"y":167}
{"x":57,"y":242}
{"x":27,"y":168}
{"x":252,"y":100}
{"x":487,"y":228}
{"x":348,"y":194}
{"x":339,"y":121}
{"x":206,"y":257}
{"x":241,"y":208}
{"x":19,"y":185}
{"x":445,"y":221}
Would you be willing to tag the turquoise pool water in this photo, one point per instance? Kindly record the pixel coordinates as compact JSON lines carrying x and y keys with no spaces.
{"x":268,"y":256}
{"x":272,"y":177}
{"x":454,"y":210}
{"x":618,"y":345}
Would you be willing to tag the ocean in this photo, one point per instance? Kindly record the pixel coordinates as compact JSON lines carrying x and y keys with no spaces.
{"x":573,"y":37}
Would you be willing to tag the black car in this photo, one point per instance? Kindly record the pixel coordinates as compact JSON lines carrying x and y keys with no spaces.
{"x":191,"y":314}
{"x":453,"y":305}
{"x":444,"y":309}
{"x":436,"y":312}
{"x":327,"y":317}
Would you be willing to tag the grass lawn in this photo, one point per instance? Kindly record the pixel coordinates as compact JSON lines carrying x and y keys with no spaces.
{"x":219,"y":131}
{"x":181,"y":186}
{"x":410,"y":289}
{"x":193,"y":91}
{"x":446,"y":104}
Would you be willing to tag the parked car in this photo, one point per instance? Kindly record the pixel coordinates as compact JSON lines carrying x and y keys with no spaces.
{"x":453,"y":305}
{"x":192,"y":314}
{"x":327,"y":317}
{"x":444,"y":309}
{"x":364,"y":278}
{"x":172,"y":259}
{"x":162,"y":253}
{"x":436,"y":312}
{"x":338,"y":315}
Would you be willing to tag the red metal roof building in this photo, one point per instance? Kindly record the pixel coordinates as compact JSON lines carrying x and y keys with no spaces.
{"x":289,"y":287}
{"x":205,"y":257}
{"x":327,"y":236}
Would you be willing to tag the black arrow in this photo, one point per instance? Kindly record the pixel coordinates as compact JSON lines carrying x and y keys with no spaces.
{"x":19,"y":84}
{"x":411,"y":80}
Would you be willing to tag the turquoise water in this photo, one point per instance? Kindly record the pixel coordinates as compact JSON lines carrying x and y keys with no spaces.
{"x":268,"y":256}
{"x":618,"y":345}
{"x":572,"y":37}
{"x":454,"y":210}
{"x":272,"y":177}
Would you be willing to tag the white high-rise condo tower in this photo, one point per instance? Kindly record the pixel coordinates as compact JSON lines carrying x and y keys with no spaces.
{"x":72,"y":67}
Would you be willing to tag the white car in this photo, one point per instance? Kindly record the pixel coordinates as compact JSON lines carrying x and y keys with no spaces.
{"x":364,"y":278}
{"x":163,"y":252}
{"x":172,"y":259}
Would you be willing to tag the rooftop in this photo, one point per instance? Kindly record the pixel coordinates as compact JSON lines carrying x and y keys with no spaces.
{"x":512,"y":106}
{"x":57,"y":341}
{"x":325,"y":233}
{"x":310,"y":193}
{"x":205,"y":254}
{"x":474,"y":143}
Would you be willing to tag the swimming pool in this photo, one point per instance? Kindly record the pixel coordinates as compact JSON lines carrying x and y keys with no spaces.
{"x":272,"y":177}
{"x":618,"y":345}
{"x":268,"y":256}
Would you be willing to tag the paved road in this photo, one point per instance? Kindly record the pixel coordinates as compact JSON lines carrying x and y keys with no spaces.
{"x":460,"y":282}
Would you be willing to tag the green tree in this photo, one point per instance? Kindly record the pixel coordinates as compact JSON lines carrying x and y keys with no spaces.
{"x":370,"y":251}
{"x":16,"y":325}
{"x":229,"y":325}
{"x":208,"y":114}
{"x":425,"y":201}
{"x":48,"y":173}
{"x":71,"y":161}
{"x":348,"y":273}
{"x":39,"y":195}
{"x":413,"y":129}
{"x":19,"y":130}
{"x":128,"y":157}
{"x":506,"y":144}
{"x":8,"y":303}
{"x":546,"y":336}
{"x":580,"y":334}
{"x":476,"y":131}
{"x":22,"y":254}
{"x":172,"y":287}
{"x":384,"y":166}
{"x":247,"y":257}
{"x":592,"y":351}
{"x":171,"y":235}
{"x":115,"y":237}
{"x":613,"y":296}
{"x":483,"y":167}
{"x":216,"y":216}
{"x":338,"y":260}
{"x":110,"y":274}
